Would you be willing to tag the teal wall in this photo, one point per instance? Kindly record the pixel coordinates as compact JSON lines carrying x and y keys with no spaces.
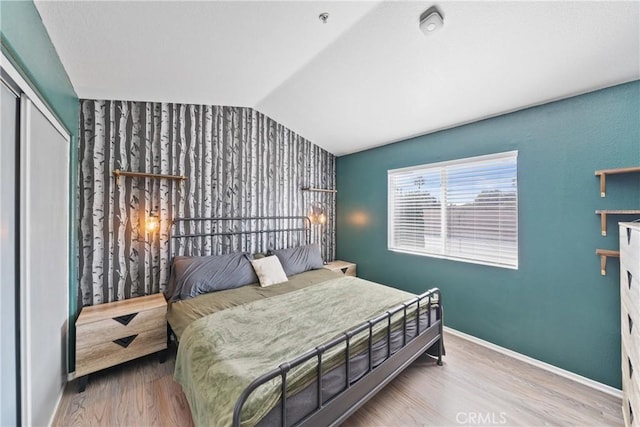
{"x":26,"y":42}
{"x":556,"y":307}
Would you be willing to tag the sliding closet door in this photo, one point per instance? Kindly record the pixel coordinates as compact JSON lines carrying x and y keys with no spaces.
{"x":8,"y":259}
{"x":44,"y":241}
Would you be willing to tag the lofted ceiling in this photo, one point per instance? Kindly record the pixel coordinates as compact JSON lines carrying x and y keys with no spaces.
{"x":365,"y":78}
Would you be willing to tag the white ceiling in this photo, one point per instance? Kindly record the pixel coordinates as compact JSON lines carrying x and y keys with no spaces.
{"x":366,"y":78}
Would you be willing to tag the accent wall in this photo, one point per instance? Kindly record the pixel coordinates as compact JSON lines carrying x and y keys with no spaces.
{"x":556,"y":307}
{"x":239,"y":163}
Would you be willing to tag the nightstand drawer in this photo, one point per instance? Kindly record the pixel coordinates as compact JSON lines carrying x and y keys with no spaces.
{"x":100,"y":356}
{"x":112,"y":328}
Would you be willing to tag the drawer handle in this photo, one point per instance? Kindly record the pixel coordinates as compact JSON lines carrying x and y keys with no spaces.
{"x":125,"y":319}
{"x":630,"y":368}
{"x":124,"y":342}
{"x":630,"y":413}
{"x":629,"y":277}
{"x":630,"y":323}
{"x":628,"y":236}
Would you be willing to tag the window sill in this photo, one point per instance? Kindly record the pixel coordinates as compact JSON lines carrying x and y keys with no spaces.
{"x":453,"y":258}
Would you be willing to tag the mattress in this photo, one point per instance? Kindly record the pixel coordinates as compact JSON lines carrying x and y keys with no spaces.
{"x":181,"y":314}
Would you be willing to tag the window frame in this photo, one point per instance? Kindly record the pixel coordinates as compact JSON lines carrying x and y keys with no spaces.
{"x":430,"y":167}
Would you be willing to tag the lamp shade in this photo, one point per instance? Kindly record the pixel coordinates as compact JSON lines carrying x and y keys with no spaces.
{"x":152,"y":224}
{"x":317,"y":214}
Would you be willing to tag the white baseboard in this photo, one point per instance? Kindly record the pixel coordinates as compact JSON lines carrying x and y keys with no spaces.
{"x":55,"y":411}
{"x":539,"y":364}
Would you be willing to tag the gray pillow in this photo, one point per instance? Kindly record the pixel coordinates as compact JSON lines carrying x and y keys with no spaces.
{"x":192,"y":276}
{"x":300,"y":259}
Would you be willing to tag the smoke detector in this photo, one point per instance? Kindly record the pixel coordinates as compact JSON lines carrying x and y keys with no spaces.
{"x":431,"y":21}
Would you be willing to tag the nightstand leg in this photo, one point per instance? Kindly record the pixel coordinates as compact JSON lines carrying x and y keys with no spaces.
{"x":82,"y":383}
{"x":162,"y":356}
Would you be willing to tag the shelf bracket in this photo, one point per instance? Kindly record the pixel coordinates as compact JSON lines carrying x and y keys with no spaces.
{"x":604,"y":172}
{"x":603,"y":186}
{"x":603,"y":216}
{"x":604,"y":254}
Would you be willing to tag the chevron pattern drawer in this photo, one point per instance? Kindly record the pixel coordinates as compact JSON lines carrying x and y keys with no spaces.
{"x":113,"y":333}
{"x":629,"y":324}
{"x":630,"y":388}
{"x":630,"y":320}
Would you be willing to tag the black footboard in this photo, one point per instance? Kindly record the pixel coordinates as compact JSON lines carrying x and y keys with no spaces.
{"x":339,"y":392}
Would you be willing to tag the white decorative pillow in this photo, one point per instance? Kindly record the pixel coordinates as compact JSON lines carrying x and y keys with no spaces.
{"x":269,"y":270}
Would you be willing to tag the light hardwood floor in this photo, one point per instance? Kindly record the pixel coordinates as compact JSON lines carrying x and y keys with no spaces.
{"x":476,"y":386}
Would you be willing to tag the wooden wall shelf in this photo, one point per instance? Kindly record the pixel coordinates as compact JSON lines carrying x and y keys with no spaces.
{"x":603,"y":216}
{"x":319,"y":190}
{"x":604,"y":172}
{"x":604,"y":254}
{"x":118,"y":173}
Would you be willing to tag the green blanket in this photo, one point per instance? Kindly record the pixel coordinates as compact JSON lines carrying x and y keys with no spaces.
{"x":181,"y":314}
{"x":221,"y":354}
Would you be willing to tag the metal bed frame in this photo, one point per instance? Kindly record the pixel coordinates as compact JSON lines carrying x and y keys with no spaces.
{"x":272,"y":230}
{"x":355,"y":392}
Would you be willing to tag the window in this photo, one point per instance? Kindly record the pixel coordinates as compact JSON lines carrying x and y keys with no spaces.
{"x":465,"y":210}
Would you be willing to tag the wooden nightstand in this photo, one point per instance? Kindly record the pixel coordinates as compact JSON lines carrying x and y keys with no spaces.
{"x":113,"y":333}
{"x":346,"y":268}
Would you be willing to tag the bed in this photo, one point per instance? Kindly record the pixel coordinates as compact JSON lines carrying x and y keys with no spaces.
{"x":308,"y":351}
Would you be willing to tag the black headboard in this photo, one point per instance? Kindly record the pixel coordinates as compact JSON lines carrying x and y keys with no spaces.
{"x":217,"y":236}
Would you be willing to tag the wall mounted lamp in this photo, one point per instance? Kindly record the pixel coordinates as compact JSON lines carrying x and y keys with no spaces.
{"x":317,"y":214}
{"x":152,"y":223}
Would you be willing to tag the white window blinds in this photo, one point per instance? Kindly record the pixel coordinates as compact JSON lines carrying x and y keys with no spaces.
{"x":464,"y":209}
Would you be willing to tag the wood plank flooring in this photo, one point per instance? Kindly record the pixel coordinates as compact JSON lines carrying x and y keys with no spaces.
{"x":476,"y":386}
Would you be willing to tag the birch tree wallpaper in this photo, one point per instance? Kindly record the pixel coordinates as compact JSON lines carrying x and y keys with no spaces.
{"x":239,"y":163}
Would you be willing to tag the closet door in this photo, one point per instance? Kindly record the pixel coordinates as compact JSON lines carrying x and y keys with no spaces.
{"x":44,"y":263}
{"x":9,"y":410}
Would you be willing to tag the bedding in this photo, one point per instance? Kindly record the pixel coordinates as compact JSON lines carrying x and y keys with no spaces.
{"x":222,"y":353}
{"x":269,"y":271}
{"x":193,"y":276}
{"x":219,"y":318}
{"x":181,"y":313}
{"x":300,"y":259}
